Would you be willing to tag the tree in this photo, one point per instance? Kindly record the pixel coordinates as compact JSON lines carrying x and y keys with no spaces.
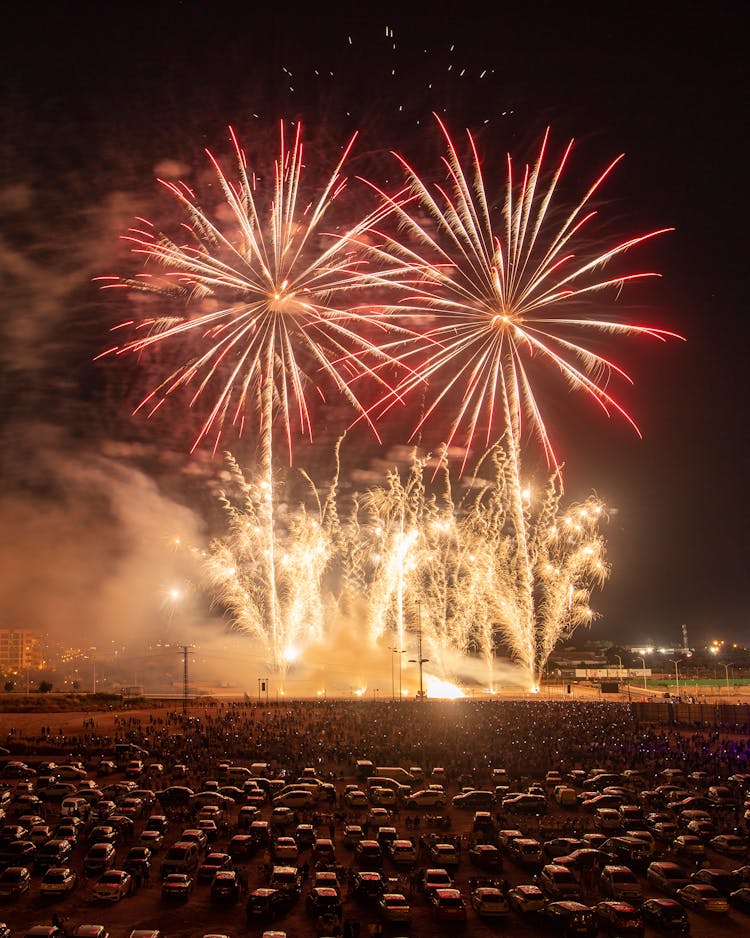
{"x":9,"y":686}
{"x":44,"y":687}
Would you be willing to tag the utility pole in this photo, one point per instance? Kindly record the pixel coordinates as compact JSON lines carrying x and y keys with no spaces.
{"x":419,"y":659}
{"x":185,"y":649}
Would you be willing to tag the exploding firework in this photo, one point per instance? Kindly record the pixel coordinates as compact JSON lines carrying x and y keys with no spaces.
{"x":272,"y":586}
{"x":269,"y":312}
{"x":501,"y":293}
{"x":499,"y":290}
{"x":264,"y":301}
{"x":454,"y":567}
{"x":410,"y":555}
{"x":270,"y":308}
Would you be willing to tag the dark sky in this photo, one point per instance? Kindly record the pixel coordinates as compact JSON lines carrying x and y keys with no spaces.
{"x":94,"y":98}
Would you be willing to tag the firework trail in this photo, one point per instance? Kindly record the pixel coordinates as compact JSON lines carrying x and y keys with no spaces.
{"x":268,"y":297}
{"x":413,"y":543}
{"x":245,"y":579}
{"x":502,"y":294}
{"x":499,"y":289}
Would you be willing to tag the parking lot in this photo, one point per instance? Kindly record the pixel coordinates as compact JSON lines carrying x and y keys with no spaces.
{"x":347,"y":834}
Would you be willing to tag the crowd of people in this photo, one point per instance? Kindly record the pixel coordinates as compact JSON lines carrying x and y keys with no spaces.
{"x":465,"y":737}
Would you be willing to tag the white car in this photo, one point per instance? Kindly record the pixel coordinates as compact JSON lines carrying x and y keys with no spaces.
{"x":403,"y":853}
{"x":296,"y":798}
{"x":356,"y":799}
{"x":285,"y":848}
{"x":394,"y":907}
{"x":489,"y":902}
{"x":425,"y":798}
{"x":383,"y":797}
{"x":113,"y":886}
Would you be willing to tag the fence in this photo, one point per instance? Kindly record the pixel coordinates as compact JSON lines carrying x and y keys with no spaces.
{"x":727,"y":716}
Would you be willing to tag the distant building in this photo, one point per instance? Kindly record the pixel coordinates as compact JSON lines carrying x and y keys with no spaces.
{"x":20,"y":650}
{"x":576,"y":658}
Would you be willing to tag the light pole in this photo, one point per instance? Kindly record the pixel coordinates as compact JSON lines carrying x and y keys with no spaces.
{"x":676,"y":662}
{"x":620,"y":676}
{"x":399,"y":652}
{"x":419,"y":659}
{"x":726,"y":673}
{"x":643,"y":666}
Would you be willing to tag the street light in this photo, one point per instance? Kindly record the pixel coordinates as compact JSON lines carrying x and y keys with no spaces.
{"x":726,"y":672}
{"x":619,"y":662}
{"x":399,"y":652}
{"x":419,"y":659}
{"x":676,"y":662}
{"x":643,"y":665}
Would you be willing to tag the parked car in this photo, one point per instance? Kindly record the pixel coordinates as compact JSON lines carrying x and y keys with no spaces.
{"x":265,"y":904}
{"x":177,"y":886}
{"x":369,"y":855}
{"x":621,"y":883}
{"x":485,"y":856}
{"x":619,"y":918}
{"x":225,"y":886}
{"x":15,"y":881}
{"x":137,"y":861}
{"x":561,"y":846}
{"x":297,"y":798}
{"x":323,"y":901}
{"x":211,"y":865}
{"x":394,"y":907}
{"x":526,"y":851}
{"x":58,"y":881}
{"x":448,"y":905}
{"x":433,"y":879}
{"x":356,"y":799}
{"x":666,"y":915}
{"x":729,"y":845}
{"x":740,"y":899}
{"x":489,"y":902}
{"x":426,"y":798}
{"x":568,"y":918}
{"x":722,"y":880}
{"x":703,"y":898}
{"x":688,"y":846}
{"x":444,"y":855}
{"x":526,"y":898}
{"x":287,"y":879}
{"x":474,"y":799}
{"x":368,"y":885}
{"x":113,"y":886}
{"x":524,"y":803}
{"x":667,"y":877}
{"x":402,"y":852}
{"x":558,"y":883}
{"x":99,"y":859}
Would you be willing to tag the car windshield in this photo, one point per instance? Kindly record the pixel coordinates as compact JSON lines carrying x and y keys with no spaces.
{"x":450,"y":901}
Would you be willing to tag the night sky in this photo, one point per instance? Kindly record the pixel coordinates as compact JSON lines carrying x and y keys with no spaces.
{"x":95,"y":100}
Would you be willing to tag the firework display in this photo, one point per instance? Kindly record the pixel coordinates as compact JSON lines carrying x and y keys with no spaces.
{"x":500,"y":288}
{"x":410,"y":554}
{"x":439,"y":291}
{"x":267,"y":299}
